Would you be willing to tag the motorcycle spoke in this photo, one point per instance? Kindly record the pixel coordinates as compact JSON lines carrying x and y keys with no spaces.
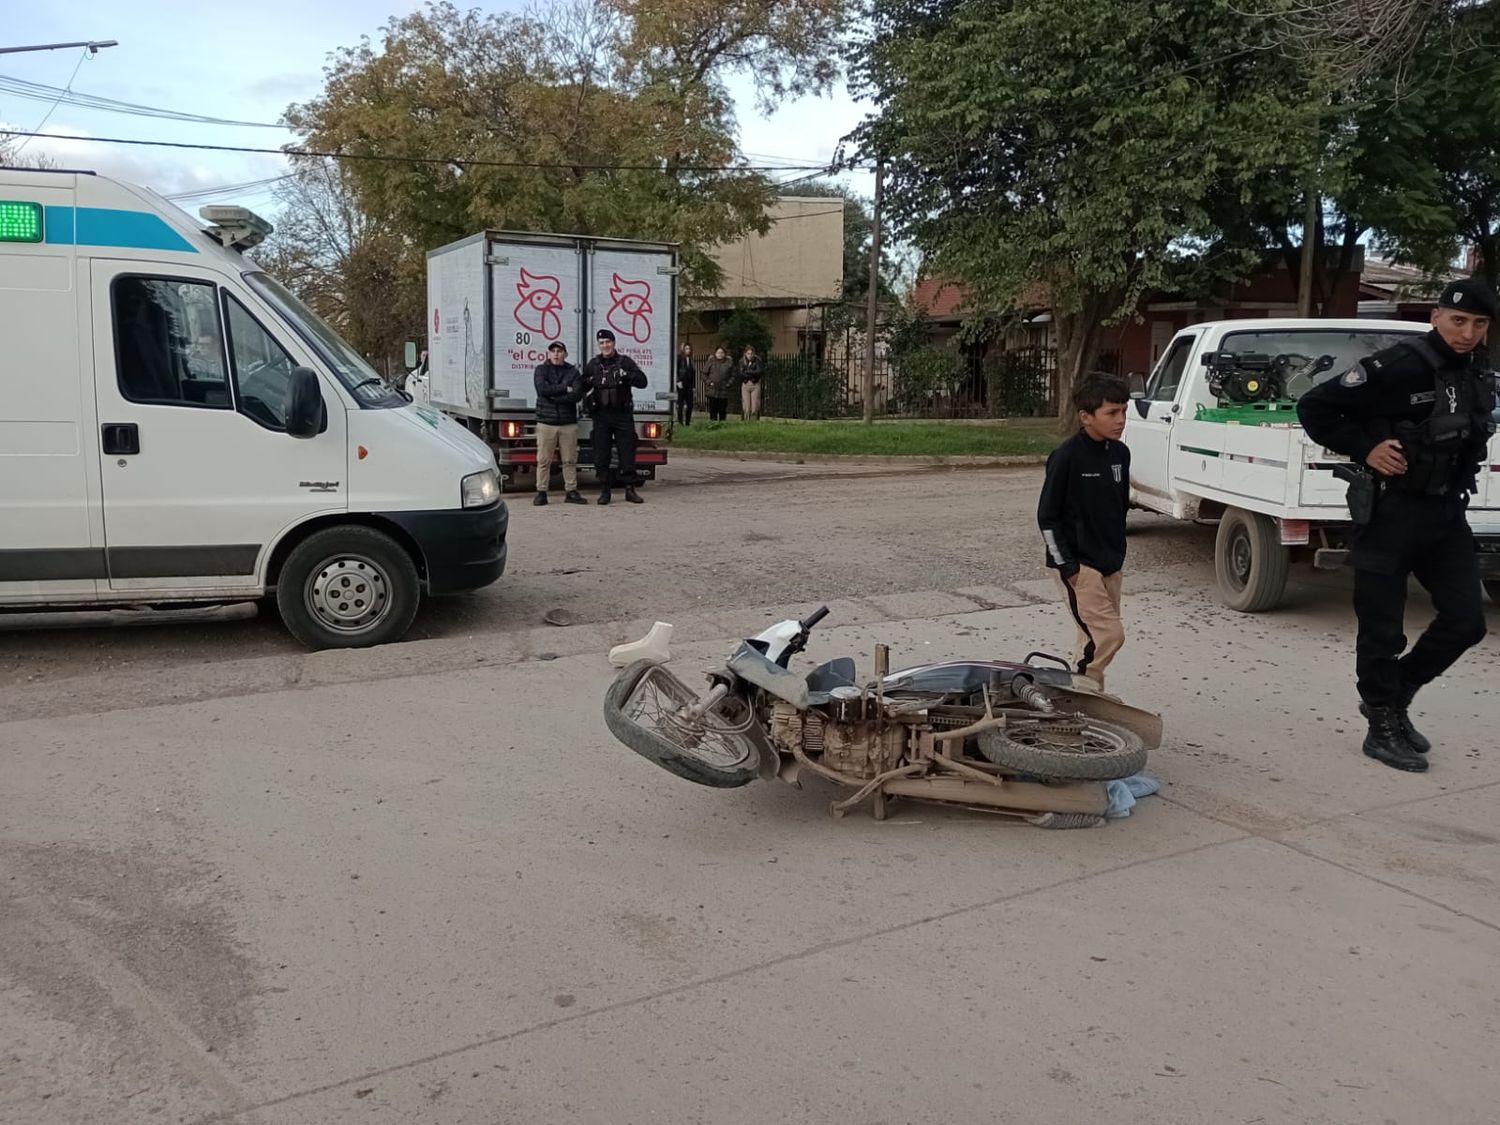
{"x":658,"y":705}
{"x":1064,"y":737}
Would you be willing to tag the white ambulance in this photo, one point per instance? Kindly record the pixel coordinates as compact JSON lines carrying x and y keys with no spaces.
{"x":176,"y":427}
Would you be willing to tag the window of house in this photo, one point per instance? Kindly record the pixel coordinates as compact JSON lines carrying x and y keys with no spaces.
{"x":169,"y":349}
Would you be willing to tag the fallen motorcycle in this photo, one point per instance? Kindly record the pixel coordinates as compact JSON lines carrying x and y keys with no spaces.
{"x":1026,"y":739}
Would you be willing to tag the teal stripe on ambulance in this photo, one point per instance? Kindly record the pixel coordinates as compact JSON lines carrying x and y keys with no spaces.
{"x":106,"y":226}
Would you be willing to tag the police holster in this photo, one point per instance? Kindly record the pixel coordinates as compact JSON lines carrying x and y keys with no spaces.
{"x":1362,"y":492}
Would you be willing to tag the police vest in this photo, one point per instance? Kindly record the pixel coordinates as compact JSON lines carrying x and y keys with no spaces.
{"x":1435,"y":446}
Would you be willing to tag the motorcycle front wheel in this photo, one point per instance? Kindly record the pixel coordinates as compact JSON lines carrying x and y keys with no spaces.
{"x":1065,"y":748}
{"x":657,"y":715}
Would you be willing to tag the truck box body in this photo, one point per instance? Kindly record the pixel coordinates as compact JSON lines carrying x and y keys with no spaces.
{"x":497,"y":299}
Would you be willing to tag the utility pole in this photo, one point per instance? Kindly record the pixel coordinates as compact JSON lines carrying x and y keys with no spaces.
{"x":94,"y":46}
{"x":868,"y":389}
{"x":1309,"y":248}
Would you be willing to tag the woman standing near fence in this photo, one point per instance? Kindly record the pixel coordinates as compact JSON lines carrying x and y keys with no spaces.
{"x":687,"y":384}
{"x":720,"y":379}
{"x":751,"y":371}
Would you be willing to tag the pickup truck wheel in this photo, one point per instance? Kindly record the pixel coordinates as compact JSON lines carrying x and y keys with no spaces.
{"x":1250,"y":561}
{"x":1492,"y":588}
{"x":348,"y":587}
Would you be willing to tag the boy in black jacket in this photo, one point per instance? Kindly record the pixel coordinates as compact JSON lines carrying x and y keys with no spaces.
{"x":1082,"y":517}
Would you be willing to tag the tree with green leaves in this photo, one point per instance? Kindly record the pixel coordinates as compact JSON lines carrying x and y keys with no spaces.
{"x":603,"y":117}
{"x":1071,"y":152}
{"x":746,"y":325}
{"x":1432,"y":136}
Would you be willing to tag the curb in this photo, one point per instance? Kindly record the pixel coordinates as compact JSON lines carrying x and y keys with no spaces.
{"x":916,"y":461}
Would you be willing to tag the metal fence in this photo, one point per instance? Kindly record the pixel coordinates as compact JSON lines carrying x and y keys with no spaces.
{"x":936,"y":383}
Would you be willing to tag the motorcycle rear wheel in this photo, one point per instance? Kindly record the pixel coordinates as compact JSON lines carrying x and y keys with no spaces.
{"x":645,"y":709}
{"x":1065,"y":749}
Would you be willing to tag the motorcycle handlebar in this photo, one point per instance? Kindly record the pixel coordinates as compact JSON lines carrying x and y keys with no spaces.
{"x":814,"y":617}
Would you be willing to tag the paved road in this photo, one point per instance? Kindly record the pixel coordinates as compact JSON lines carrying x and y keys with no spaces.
{"x":714,"y":534}
{"x":422,"y":884}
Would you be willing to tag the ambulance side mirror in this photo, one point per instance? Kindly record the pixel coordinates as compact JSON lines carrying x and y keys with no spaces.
{"x":305,"y":415}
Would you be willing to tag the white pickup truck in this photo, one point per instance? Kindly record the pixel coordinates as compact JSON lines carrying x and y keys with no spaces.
{"x":1214,"y":436}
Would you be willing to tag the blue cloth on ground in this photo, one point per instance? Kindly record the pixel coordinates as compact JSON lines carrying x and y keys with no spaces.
{"x":1124,"y":791}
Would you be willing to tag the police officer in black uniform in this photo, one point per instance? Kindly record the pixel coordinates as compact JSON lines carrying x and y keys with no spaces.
{"x":609,"y":380}
{"x":1418,"y":414}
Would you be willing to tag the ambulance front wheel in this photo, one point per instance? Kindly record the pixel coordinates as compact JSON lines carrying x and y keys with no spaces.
{"x":348,"y":587}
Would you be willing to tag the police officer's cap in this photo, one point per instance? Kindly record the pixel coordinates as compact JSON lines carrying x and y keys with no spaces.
{"x":1471,"y":295}
{"x":604,"y":334}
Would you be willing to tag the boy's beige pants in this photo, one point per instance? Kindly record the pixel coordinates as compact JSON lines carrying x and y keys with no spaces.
{"x":1095,"y":604}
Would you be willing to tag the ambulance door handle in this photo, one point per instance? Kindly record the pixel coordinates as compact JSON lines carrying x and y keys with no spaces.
{"x":121,"y":438}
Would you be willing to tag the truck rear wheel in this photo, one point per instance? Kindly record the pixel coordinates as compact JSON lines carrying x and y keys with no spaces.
{"x":348,"y":587}
{"x":1250,"y":561}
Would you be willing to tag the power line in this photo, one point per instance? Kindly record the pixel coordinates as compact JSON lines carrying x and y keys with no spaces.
{"x":228,"y":189}
{"x":38,"y":91}
{"x":449,"y":161}
{"x":61,"y":94}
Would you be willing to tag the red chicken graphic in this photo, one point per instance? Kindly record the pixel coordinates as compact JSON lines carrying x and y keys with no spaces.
{"x":630,"y":315}
{"x":539,"y":304}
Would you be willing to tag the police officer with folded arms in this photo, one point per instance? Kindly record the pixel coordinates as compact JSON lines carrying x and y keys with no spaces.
{"x":1415,"y":420}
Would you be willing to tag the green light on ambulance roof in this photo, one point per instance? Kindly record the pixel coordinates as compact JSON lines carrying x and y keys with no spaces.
{"x":20,"y":222}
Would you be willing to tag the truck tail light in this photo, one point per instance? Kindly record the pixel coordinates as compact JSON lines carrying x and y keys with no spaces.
{"x":1295,"y":533}
{"x":653,"y":429}
{"x":511,"y":429}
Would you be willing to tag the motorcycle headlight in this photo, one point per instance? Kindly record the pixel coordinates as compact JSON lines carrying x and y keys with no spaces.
{"x":481,"y":489}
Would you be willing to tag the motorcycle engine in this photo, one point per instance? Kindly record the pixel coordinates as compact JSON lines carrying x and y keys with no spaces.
{"x":858,"y":749}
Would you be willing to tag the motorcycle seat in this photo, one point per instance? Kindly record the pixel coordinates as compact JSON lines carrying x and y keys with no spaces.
{"x":835,"y":673}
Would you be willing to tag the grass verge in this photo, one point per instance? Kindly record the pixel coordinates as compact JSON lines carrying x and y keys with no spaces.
{"x":1020,"y":436}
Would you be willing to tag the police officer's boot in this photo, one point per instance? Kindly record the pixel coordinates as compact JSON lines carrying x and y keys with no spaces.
{"x":1414,"y":738}
{"x":632,"y":496}
{"x":1385,"y":742}
{"x":604,"y":496}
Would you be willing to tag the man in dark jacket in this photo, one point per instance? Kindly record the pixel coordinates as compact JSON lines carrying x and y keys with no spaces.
{"x":687,"y":384}
{"x":608,"y":380}
{"x":1415,"y":420}
{"x":559,"y":388}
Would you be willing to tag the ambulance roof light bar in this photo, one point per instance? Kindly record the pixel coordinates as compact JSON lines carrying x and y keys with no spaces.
{"x":238,"y":228}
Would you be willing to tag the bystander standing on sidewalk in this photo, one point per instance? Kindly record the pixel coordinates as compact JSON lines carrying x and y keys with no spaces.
{"x":720,"y":379}
{"x":751,"y":371}
{"x":687,"y":384}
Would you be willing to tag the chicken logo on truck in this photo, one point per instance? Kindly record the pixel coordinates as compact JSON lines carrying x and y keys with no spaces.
{"x":539,"y":304}
{"x":630,"y":315}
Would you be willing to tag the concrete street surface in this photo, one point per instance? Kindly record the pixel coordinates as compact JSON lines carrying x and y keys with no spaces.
{"x":422,"y":884}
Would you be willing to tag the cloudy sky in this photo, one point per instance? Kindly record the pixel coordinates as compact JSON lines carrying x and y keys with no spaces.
{"x":247,"y":62}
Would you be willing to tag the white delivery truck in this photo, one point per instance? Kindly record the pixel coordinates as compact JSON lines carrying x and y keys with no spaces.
{"x":497,"y":299}
{"x":1214,"y":436}
{"x":176,"y":427}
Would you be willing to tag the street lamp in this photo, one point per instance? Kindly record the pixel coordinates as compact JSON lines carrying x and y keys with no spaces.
{"x":94,"y":46}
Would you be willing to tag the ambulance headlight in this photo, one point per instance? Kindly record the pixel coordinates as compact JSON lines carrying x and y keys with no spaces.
{"x":481,"y":489}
